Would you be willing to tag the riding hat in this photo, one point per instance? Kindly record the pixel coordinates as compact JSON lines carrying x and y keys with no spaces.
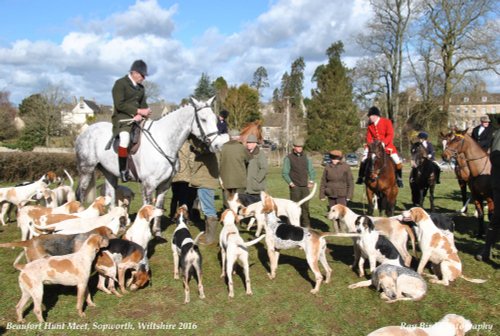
{"x":374,"y":111}
{"x":298,"y":142}
{"x":252,"y":138}
{"x":485,"y":119}
{"x":423,"y":135}
{"x":336,"y":154}
{"x":140,"y":67}
{"x":224,"y":114}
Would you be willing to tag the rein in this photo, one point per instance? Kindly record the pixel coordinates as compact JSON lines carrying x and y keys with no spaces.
{"x":455,"y":152}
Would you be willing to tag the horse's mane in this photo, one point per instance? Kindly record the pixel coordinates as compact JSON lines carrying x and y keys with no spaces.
{"x":255,"y":128}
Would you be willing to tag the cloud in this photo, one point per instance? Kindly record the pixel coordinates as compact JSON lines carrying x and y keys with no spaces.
{"x":88,"y":60}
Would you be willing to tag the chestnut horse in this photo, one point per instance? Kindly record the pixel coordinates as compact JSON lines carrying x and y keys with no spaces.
{"x":255,"y":128}
{"x":380,"y":179}
{"x":423,"y":176}
{"x":478,"y":163}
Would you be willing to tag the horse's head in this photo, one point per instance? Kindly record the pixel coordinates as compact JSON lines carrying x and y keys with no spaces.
{"x":418,"y":154}
{"x":254,"y":128}
{"x":205,"y":125}
{"x":376,"y":153}
{"x":453,"y":144}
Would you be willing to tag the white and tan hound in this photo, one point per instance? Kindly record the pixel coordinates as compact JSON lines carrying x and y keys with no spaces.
{"x":140,"y":231}
{"x":450,"y":325}
{"x":436,"y":247}
{"x":234,"y":248}
{"x":69,"y":270}
{"x":392,"y":228}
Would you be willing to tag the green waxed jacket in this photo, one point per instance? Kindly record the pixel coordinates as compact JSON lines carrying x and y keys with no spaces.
{"x":257,"y":171}
{"x":127,"y":98}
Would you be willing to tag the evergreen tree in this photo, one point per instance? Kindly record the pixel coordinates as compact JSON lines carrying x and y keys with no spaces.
{"x":333,"y":121}
{"x":205,"y":89}
{"x":260,"y":79}
{"x":243,"y":105}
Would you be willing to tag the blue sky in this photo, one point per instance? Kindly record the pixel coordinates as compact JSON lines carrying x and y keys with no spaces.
{"x":84,"y":46}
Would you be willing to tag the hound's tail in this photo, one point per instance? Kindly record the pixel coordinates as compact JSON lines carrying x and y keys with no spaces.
{"x":341,"y":234}
{"x":195,"y":241}
{"x":71,"y":182}
{"x":308,"y":197}
{"x":23,"y":243}
{"x":478,"y":281}
{"x":255,"y":241}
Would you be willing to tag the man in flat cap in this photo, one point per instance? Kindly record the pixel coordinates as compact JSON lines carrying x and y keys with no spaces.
{"x":483,"y":133}
{"x":129,"y":102}
{"x":381,"y":129}
{"x":299,"y":174}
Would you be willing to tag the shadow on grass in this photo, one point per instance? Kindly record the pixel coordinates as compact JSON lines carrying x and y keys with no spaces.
{"x":300,"y":264}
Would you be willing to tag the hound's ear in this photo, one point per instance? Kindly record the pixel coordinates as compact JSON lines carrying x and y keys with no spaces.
{"x":370,"y":224}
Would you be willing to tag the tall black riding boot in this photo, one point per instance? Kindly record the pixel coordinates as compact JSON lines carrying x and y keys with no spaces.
{"x":438,"y":173}
{"x":361,"y":173}
{"x":399,"y":175}
{"x":491,"y":239}
{"x":122,"y":163}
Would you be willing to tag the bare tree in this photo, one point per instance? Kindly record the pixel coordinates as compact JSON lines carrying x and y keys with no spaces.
{"x":466,"y":38}
{"x":386,"y":36}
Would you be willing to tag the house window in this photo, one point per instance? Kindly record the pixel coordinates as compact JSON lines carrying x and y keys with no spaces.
{"x":483,"y":110}
{"x":466,"y":99}
{"x":473,"y":110}
{"x":458,"y":109}
{"x":484,"y":99}
{"x":466,"y":110}
{"x":493,"y":110}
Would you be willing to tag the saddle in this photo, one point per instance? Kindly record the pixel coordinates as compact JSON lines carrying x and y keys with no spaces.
{"x":135,"y":142}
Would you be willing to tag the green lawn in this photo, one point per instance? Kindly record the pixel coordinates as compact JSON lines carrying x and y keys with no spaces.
{"x":283,"y":306}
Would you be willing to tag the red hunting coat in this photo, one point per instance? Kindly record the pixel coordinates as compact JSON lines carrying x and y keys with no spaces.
{"x":383,"y":132}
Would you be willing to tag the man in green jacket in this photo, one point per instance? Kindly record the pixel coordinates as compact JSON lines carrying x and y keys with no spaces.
{"x":233,"y":165}
{"x":129,"y":101}
{"x":257,"y":168}
{"x":299,"y":174}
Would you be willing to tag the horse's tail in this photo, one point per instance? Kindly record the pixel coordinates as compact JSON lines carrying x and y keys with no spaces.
{"x":308,"y":197}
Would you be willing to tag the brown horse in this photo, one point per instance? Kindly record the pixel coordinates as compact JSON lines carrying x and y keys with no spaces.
{"x":380,"y":179}
{"x":477,"y":162}
{"x":254,"y":128}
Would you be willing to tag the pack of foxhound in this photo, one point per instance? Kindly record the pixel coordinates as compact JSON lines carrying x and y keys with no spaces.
{"x":64,"y":243}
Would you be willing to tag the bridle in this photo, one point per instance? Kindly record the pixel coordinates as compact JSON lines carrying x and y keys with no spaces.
{"x":455,"y":152}
{"x":374,"y":174}
{"x":205,"y":138}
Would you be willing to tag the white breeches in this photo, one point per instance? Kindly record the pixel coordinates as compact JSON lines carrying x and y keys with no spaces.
{"x":395,"y":157}
{"x":124,"y":139}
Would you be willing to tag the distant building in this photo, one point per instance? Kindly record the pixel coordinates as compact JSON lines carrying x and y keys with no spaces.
{"x":465,"y":110}
{"x":82,"y":110}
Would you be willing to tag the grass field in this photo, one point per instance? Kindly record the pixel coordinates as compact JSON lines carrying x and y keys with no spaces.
{"x":283,"y":306}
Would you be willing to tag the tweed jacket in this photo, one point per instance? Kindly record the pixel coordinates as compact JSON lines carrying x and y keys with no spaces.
{"x":127,"y":98}
{"x":186,"y":162}
{"x":205,"y":172}
{"x":256,"y":172}
{"x":384,"y":132}
{"x":233,"y":165}
{"x":336,"y":181}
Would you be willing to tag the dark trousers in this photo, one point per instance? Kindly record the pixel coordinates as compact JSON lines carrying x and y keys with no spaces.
{"x":336,"y":200}
{"x":182,"y":193}
{"x":296,"y":194}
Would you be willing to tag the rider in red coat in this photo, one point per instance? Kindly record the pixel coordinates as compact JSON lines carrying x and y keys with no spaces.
{"x":381,"y":129}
